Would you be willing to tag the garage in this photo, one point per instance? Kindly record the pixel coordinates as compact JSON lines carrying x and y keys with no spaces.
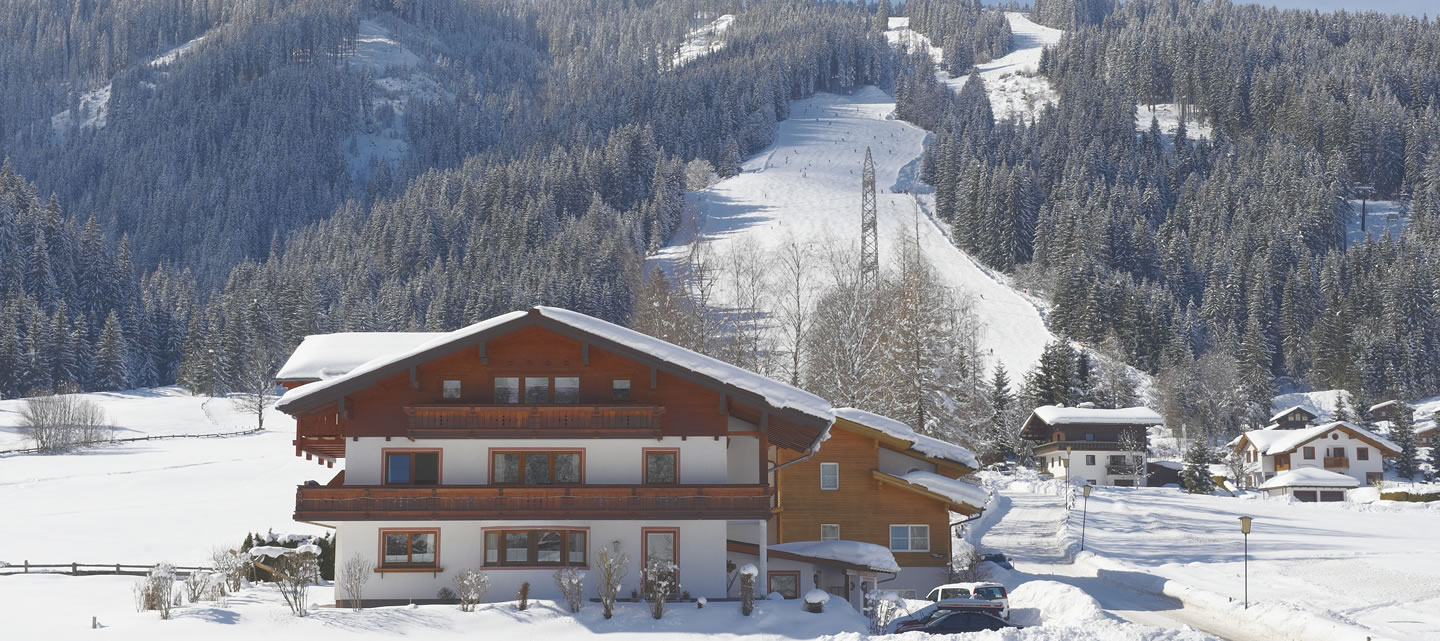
{"x":1310,"y":485}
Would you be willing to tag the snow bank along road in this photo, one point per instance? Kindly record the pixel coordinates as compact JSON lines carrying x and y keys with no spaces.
{"x":1029,"y":529}
{"x":807,"y":186}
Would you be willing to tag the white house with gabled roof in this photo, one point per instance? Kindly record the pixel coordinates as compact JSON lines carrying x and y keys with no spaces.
{"x":1098,"y":446}
{"x":1341,"y":447}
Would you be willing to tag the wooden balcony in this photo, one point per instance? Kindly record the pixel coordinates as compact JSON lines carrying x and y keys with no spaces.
{"x":534,"y":421}
{"x":599,"y":502}
{"x":1079,"y":446}
{"x":1337,"y":463}
{"x":1282,"y":467}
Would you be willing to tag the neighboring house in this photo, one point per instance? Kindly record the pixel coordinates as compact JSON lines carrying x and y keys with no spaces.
{"x":1425,"y":435}
{"x":1310,"y":484}
{"x":1089,"y":444}
{"x":874,"y":481}
{"x":525,"y":443}
{"x":1340,"y":447}
{"x":1291,"y":418}
{"x":1384,"y":411}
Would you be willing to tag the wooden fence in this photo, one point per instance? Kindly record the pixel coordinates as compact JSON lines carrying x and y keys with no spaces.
{"x":156,"y":437}
{"x":89,"y":569}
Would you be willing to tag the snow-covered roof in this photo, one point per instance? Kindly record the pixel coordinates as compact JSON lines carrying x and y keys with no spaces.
{"x":1281,"y":414}
{"x":1272,"y":442}
{"x":1381,"y":406}
{"x":1060,"y":415}
{"x":323,"y":356}
{"x":875,"y":557}
{"x":928,"y":446}
{"x":1171,"y":465}
{"x":956,"y":491}
{"x":1310,"y":477}
{"x":777,"y":394}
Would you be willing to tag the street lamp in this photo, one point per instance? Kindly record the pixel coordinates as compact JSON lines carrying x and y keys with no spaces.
{"x":1085,"y":513}
{"x":1244,"y":529}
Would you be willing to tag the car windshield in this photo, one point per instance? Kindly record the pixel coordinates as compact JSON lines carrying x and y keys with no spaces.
{"x":990,"y":594}
{"x":953,"y":593}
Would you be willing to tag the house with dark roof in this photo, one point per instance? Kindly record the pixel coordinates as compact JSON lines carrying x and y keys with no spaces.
{"x":1096,"y":446}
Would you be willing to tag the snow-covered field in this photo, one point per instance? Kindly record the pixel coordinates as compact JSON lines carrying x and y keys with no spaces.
{"x":1381,"y":216}
{"x":704,"y":40}
{"x":1373,"y":566}
{"x":150,"y":501}
{"x":807,"y":186}
{"x":93,"y":108}
{"x":1012,"y":81}
{"x":394,"y":67}
{"x":1167,"y":115}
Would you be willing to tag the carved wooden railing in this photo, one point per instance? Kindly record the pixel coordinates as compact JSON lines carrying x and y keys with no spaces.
{"x":360,"y":503}
{"x":442,"y":420}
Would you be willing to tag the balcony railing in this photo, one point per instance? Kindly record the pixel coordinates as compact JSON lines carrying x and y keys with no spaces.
{"x":447,"y":420}
{"x":363,"y":503}
{"x":1337,"y":463}
{"x":1087,"y":446}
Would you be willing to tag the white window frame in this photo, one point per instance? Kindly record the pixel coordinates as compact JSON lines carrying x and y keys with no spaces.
{"x":447,"y":385}
{"x":909,"y":536}
{"x":833,"y":466}
{"x":836,"y":537}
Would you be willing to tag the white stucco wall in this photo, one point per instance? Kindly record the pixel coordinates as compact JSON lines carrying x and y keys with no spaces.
{"x":1336,"y":438}
{"x":701,"y":557}
{"x":892,"y":462}
{"x":607,"y":461}
{"x":1079,"y":470}
{"x":742,"y":460}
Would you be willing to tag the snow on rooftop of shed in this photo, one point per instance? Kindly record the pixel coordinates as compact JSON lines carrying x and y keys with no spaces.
{"x":1309,"y":477}
{"x":875,"y":557}
{"x":955,"y":490}
{"x":929,"y":446}
{"x":776,"y":393}
{"x":1060,"y":415}
{"x":323,"y":356}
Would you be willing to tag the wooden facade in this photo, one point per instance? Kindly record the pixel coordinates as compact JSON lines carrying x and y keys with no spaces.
{"x":865,"y":505}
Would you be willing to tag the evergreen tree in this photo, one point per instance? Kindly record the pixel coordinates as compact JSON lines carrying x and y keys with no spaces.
{"x":110,"y":357}
{"x":1402,"y":432}
{"x":1196,"y":475}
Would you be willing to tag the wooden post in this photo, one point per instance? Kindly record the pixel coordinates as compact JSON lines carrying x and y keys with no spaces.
{"x":74,"y":568}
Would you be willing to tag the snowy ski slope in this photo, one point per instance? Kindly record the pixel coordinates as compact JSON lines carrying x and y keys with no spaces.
{"x":807,"y":184}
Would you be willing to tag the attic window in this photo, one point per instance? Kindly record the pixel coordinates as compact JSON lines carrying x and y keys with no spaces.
{"x":451,"y":390}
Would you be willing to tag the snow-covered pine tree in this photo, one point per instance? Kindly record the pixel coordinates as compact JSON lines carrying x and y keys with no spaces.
{"x":110,"y":357}
{"x":1196,"y":475}
{"x":1402,"y":432}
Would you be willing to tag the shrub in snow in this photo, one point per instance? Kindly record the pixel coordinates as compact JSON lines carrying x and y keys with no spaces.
{"x":196,"y":585}
{"x":700,"y":603}
{"x":522,"y":598}
{"x":445,"y":594}
{"x":61,"y":421}
{"x":612,"y":567}
{"x":883,"y":607}
{"x":965,"y":564}
{"x":659,"y":585}
{"x":156,"y":590}
{"x":471,"y":586}
{"x":231,"y":565}
{"x":353,"y":576}
{"x":572,"y":586}
{"x":815,"y":600}
{"x":293,"y":571}
{"x":748,"y":572}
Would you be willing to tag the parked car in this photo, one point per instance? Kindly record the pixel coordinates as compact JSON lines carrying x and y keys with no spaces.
{"x":998,"y":559}
{"x":955,"y":622}
{"x":985,"y":590}
{"x":924,"y":616}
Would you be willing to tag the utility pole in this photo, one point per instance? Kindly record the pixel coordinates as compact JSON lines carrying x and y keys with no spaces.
{"x":869,"y":237}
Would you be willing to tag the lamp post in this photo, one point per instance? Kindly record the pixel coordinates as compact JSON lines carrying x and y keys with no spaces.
{"x":1245,"y":529}
{"x":1084,"y":514}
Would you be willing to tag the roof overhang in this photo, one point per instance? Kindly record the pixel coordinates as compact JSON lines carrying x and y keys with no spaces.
{"x":951,"y":504}
{"x":741,"y":547}
{"x":900,"y":444}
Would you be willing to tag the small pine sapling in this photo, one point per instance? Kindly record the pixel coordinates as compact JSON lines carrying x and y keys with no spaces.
{"x":522,"y":598}
{"x":1197,"y":468}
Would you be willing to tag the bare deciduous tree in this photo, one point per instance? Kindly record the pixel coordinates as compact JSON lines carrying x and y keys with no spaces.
{"x":793,"y":295}
{"x":58,"y":422}
{"x":612,"y":566}
{"x":353,"y":576}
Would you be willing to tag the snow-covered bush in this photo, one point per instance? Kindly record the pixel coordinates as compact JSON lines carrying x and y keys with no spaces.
{"x":748,"y":573}
{"x":965,"y":564}
{"x":522,"y":597}
{"x":659,"y":585}
{"x":231,"y":565}
{"x":157,"y":590}
{"x":293,"y":572}
{"x":700,"y":603}
{"x":471,"y":586}
{"x":572,"y":586}
{"x":815,"y":600}
{"x":61,"y":421}
{"x":612,"y":567}
{"x":883,"y":607}
{"x":196,"y":585}
{"x":353,"y":576}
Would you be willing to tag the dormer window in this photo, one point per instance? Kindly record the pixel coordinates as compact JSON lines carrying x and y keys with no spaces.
{"x":451,"y":390}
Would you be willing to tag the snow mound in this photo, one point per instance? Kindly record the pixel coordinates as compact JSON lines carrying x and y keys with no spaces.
{"x":817,"y":597}
{"x":1051,"y":603}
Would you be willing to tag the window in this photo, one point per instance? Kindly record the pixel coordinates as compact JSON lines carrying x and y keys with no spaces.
{"x":451,"y":389}
{"x":1362,"y":453}
{"x":661,"y":467}
{"x":620,"y":389}
{"x":537,"y":389}
{"x":1337,"y":452}
{"x":908,"y":594}
{"x":1089,"y":459}
{"x":1117,"y":459}
{"x":829,"y":531}
{"x":409,"y":548}
{"x":507,"y":389}
{"x":567,"y":389}
{"x":536,"y":468}
{"x":1089,"y":437}
{"x":551,"y":547}
{"x":412,"y":467}
{"x":660,"y":545}
{"x":786,"y":583}
{"x":910,"y":538}
{"x":1309,"y":453}
{"x":829,"y":476}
